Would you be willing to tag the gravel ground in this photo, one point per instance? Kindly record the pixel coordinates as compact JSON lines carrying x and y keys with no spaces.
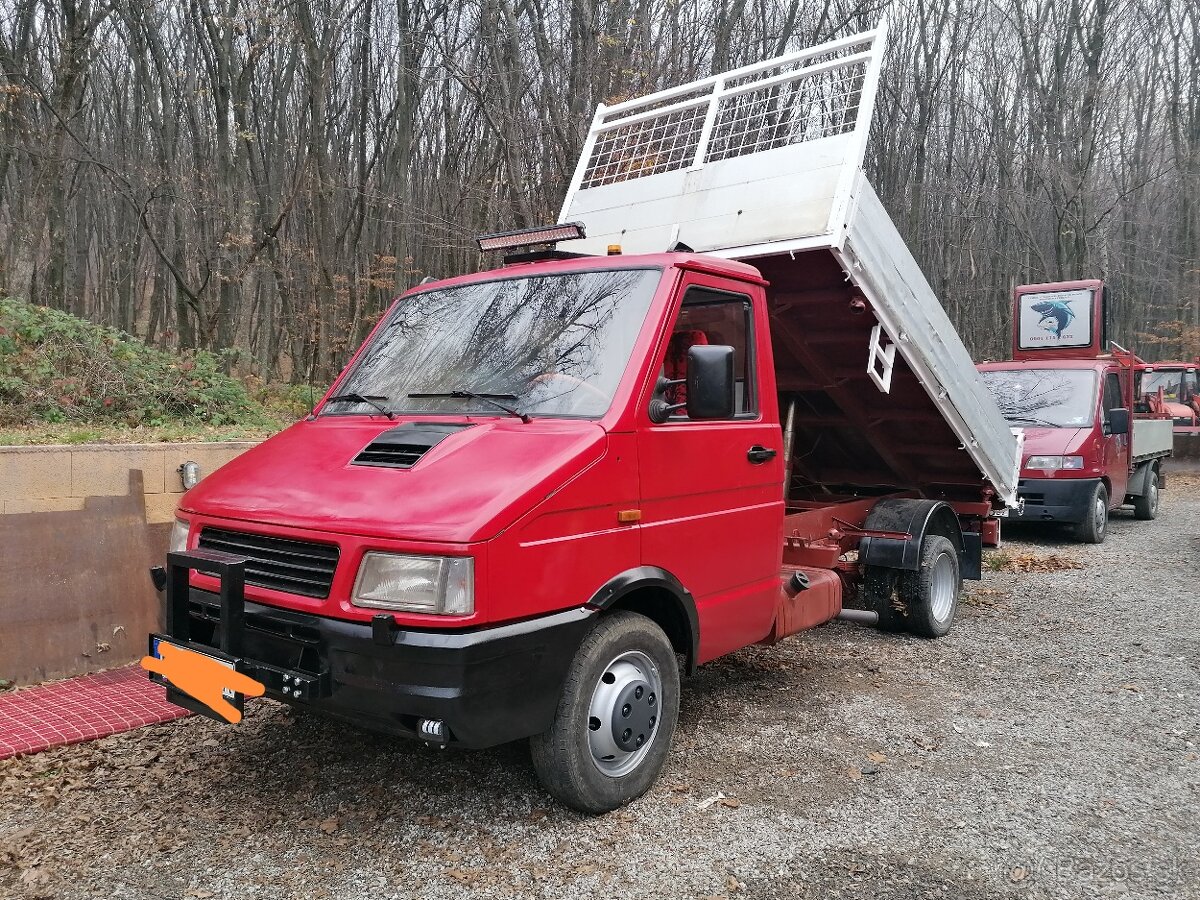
{"x":1047,"y":748}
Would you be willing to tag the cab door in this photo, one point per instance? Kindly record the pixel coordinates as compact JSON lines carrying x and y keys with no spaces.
{"x":1116,"y":446}
{"x":712,"y":490}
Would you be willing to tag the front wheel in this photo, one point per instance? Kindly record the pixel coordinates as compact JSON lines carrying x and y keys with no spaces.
{"x":615,"y":719}
{"x":1094,"y":527}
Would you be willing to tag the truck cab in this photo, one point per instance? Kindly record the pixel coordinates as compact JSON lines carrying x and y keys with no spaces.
{"x":1076,"y":464}
{"x":1171,"y":388}
{"x":1085,"y":453}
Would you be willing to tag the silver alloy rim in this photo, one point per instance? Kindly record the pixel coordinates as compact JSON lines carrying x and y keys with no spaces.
{"x":1153,"y":495}
{"x":1101,"y":514}
{"x":624,"y":676}
{"x":942,"y":587}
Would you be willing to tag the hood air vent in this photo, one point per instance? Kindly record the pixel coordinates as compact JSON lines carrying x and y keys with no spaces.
{"x":402,"y":446}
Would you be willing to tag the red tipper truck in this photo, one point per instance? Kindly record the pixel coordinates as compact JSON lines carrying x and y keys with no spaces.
{"x":1084,"y":453}
{"x":1172,"y":388}
{"x":537,"y":491}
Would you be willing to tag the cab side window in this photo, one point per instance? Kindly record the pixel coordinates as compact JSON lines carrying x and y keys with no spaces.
{"x":710,"y":317}
{"x":1112,"y":394}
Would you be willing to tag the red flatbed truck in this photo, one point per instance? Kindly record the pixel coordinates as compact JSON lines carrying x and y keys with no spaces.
{"x":537,"y":490}
{"x":1087,"y":452}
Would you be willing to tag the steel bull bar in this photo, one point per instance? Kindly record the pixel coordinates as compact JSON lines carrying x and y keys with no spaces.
{"x":181,"y":615}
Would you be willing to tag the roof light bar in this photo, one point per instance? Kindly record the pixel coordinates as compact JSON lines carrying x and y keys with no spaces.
{"x":543,"y":234}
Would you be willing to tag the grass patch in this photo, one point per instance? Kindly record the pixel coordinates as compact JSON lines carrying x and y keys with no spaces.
{"x":67,"y":381}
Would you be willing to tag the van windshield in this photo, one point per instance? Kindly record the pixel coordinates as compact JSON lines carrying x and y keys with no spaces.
{"x":551,"y":345}
{"x":1046,"y":398}
{"x":1169,"y":380}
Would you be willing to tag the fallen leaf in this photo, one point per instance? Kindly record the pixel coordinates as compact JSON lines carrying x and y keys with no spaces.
{"x":731,"y":802}
{"x":1020,"y":873}
{"x":201,"y":893}
{"x":709,"y":801}
{"x":536,"y":814}
{"x":330,"y":825}
{"x":855,"y":773}
{"x":876,"y":756}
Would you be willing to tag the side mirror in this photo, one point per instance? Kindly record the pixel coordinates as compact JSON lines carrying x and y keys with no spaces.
{"x":710,"y":382}
{"x":1118,"y":421}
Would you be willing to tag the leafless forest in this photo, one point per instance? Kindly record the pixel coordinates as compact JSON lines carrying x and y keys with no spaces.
{"x":262,"y":176}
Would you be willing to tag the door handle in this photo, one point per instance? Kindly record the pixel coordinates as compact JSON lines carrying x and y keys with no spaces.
{"x":760,"y":454}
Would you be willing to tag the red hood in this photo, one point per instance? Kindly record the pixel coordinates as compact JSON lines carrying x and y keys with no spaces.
{"x":469,"y":487}
{"x":1055,"y":441}
{"x":1178,"y":410}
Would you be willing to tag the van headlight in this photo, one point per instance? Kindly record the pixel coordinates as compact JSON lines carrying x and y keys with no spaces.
{"x":179,"y":536}
{"x":1054,"y":462}
{"x":442,"y":585}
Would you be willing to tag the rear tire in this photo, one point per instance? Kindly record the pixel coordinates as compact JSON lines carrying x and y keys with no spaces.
{"x":616,"y":717}
{"x":1145,"y":507}
{"x":932,"y":591}
{"x":882,"y":592}
{"x":921,"y":602}
{"x":1094,"y":527}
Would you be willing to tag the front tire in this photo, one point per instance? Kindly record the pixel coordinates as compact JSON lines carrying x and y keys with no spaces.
{"x":616,"y":717}
{"x":1094,"y":527}
{"x":1145,"y":507}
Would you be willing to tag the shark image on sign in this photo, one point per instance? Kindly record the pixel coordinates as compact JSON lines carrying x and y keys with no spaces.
{"x":1056,"y":315}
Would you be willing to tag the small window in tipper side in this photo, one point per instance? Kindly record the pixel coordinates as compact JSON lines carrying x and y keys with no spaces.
{"x":712,"y":317}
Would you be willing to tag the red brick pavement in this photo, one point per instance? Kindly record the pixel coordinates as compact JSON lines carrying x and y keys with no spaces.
{"x":81,"y":709}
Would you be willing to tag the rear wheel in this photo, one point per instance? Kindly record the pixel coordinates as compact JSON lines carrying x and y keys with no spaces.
{"x":882,"y":592}
{"x":1094,"y":527}
{"x":615,"y":719}
{"x":932,"y":591}
{"x":1146,"y":506}
{"x":921,"y":602}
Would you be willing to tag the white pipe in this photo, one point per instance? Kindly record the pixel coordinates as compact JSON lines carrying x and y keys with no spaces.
{"x":862,"y":616}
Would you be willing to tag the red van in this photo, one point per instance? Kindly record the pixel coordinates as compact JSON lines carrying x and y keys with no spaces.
{"x":1084,"y":454}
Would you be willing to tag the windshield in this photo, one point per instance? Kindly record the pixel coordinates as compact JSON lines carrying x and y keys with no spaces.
{"x":1047,"y":398}
{"x":1167,"y":380}
{"x":552,"y":345}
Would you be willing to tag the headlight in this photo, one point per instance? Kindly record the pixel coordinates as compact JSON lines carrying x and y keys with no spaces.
{"x":443,"y":585}
{"x":1054,"y":462}
{"x":179,"y":535}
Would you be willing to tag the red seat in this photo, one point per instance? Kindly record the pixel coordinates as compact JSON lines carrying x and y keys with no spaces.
{"x":676,"y":361}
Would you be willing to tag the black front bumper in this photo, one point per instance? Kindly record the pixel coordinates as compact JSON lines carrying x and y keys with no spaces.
{"x":1055,"y":499}
{"x":488,"y":685}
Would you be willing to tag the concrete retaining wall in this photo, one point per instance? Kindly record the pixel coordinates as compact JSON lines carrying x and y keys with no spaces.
{"x":1187,"y":454}
{"x":79,"y":527}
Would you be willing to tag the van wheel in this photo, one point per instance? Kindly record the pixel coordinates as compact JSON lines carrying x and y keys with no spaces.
{"x":932,"y":591}
{"x":1146,"y":506}
{"x":615,"y":719}
{"x":1094,"y":527}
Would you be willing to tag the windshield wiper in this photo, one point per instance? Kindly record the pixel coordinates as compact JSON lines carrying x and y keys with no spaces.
{"x":1033,"y":420}
{"x":471,"y":395}
{"x":369,"y":399}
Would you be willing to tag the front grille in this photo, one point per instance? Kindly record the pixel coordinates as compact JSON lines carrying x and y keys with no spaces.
{"x":294,"y":567}
{"x":396,"y":456}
